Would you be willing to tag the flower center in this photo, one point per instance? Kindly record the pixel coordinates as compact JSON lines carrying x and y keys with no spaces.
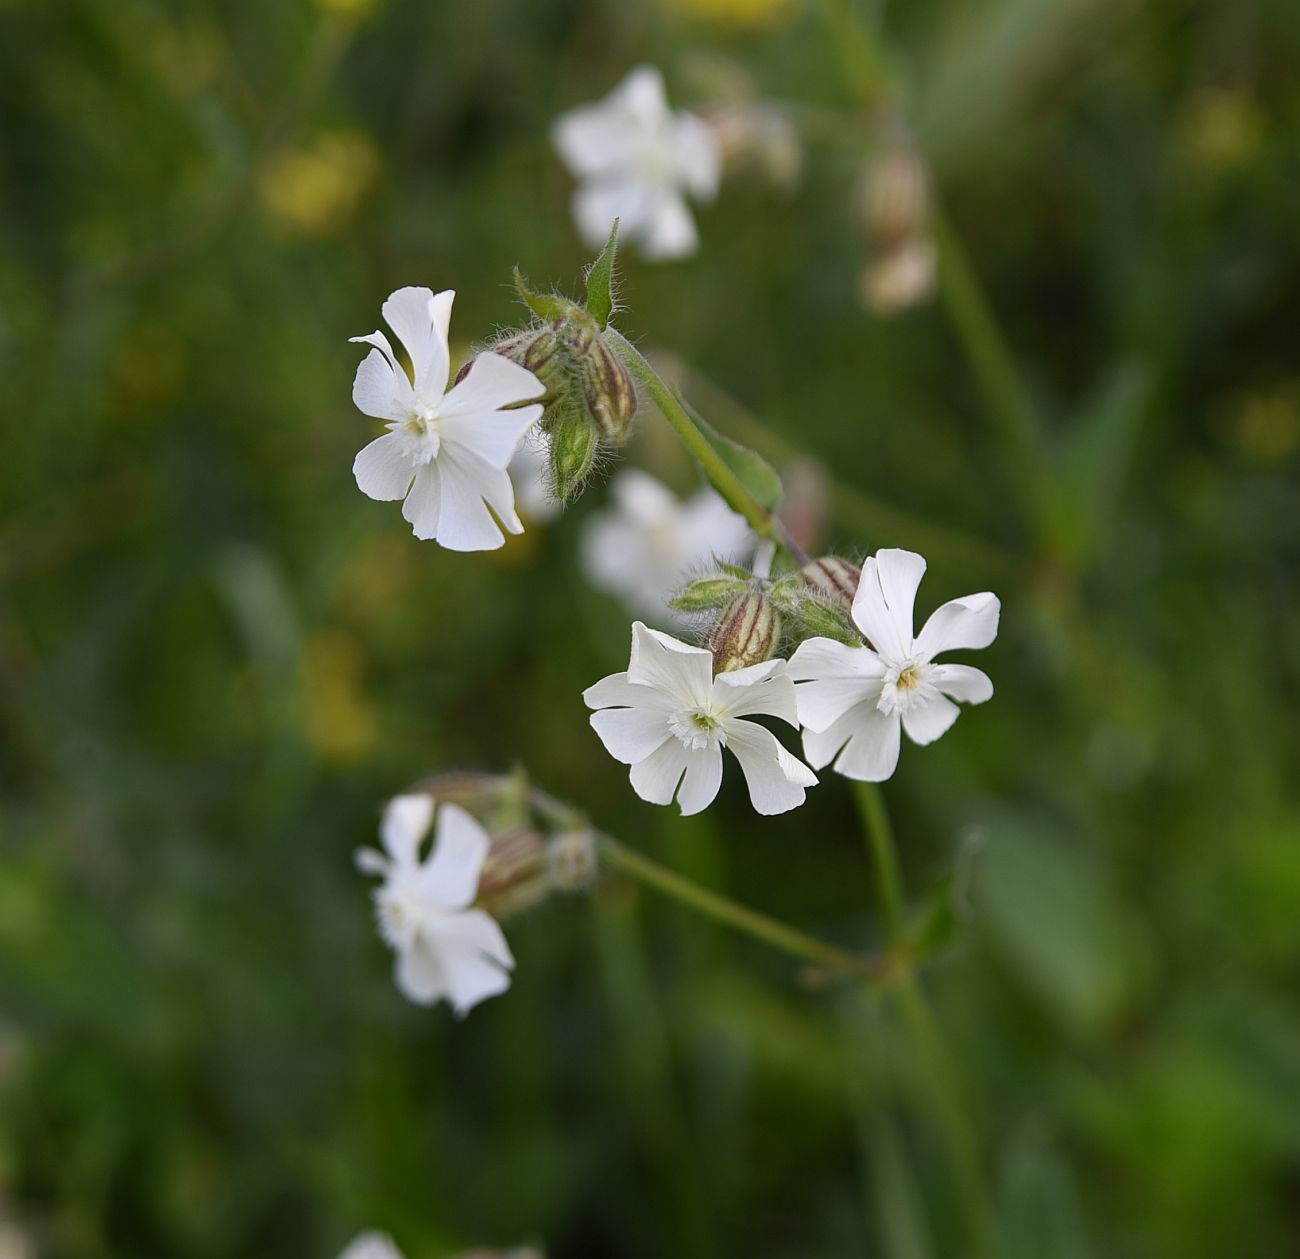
{"x":698,"y":728}
{"x":906,"y":686}
{"x":421,"y":430}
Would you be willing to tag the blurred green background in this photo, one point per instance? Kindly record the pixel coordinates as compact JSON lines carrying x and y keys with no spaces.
{"x":217,"y":658}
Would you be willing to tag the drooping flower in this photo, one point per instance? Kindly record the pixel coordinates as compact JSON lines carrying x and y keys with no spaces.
{"x":645,"y":546}
{"x":636,"y":159}
{"x":371,"y":1245}
{"x":446,"y":451}
{"x":854,"y":700}
{"x":669,"y":718}
{"x":444,"y":948}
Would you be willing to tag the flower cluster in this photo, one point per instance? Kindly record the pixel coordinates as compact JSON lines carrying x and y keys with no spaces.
{"x":677,"y":706}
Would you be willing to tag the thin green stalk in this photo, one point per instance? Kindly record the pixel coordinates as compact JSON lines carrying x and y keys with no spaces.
{"x":884,"y":857}
{"x":949,"y":1105}
{"x":872,"y":971}
{"x":678,"y":413}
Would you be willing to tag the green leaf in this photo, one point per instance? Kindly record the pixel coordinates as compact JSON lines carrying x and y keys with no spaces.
{"x":546,"y":306}
{"x":751,"y":469}
{"x":600,"y":281}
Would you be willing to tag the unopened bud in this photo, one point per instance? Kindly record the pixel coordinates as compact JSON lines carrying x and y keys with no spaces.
{"x":817,"y":616}
{"x":571,"y":861}
{"x":574,"y":442}
{"x":608,"y":393}
{"x":746,"y":633}
{"x":514,"y":876}
{"x":707,"y":594}
{"x":835,"y":577}
{"x":895,"y":197}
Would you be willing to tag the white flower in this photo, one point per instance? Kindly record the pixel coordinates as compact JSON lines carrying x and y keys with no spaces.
{"x":636,"y":158}
{"x":372,"y":1245}
{"x":856,"y":699}
{"x":444,"y":948}
{"x":645,"y":546}
{"x":446,"y":451}
{"x":669,"y":718}
{"x":530,"y":470}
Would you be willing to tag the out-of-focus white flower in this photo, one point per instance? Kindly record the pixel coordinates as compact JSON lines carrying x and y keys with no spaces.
{"x":372,"y":1245}
{"x":645,"y":546}
{"x":900,"y":277}
{"x":530,"y":472}
{"x":857,"y":698}
{"x":636,"y":159}
{"x":446,"y":451}
{"x":444,"y":948}
{"x":669,"y":718}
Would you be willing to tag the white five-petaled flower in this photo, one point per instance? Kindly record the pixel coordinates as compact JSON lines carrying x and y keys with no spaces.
{"x":669,"y":718}
{"x":856,"y":698}
{"x":446,"y":451}
{"x":645,"y":546}
{"x":636,"y":158}
{"x":444,"y":948}
{"x":372,"y":1245}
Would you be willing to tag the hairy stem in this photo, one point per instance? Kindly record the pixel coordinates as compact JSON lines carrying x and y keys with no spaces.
{"x":679,"y":414}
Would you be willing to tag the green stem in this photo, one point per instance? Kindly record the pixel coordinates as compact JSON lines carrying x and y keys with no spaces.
{"x":945,"y":1090}
{"x":678,"y":414}
{"x":884,"y":857}
{"x":872,"y":971}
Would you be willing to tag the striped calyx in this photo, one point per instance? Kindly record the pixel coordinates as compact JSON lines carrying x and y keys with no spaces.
{"x":746,"y":633}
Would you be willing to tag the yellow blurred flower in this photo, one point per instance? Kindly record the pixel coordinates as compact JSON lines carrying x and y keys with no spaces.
{"x":742,"y":15}
{"x":314,"y":190}
{"x":340,"y":722}
{"x":1266,"y":425}
{"x":1222,"y":129}
{"x":352,"y":10}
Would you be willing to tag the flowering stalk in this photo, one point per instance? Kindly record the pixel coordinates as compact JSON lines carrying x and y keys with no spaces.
{"x":686,"y":425}
{"x":873,"y":971}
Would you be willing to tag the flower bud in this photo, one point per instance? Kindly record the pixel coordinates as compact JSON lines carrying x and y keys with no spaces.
{"x":817,"y":616}
{"x":836,"y":577}
{"x":571,"y":861}
{"x":895,"y":197}
{"x":746,"y":633}
{"x":574,"y":442}
{"x":707,"y":594}
{"x":515,"y":876}
{"x":608,"y":393}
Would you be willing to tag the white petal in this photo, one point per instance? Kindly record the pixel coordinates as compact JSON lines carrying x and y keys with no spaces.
{"x":871,"y":752}
{"x":617,"y":690}
{"x":379,"y":389}
{"x":476,"y":929}
{"x":371,"y":1245}
{"x":406,"y":822}
{"x":424,"y":503}
{"x":674,"y":667}
{"x":371,"y":861}
{"x":776,"y":780}
{"x":968,"y":622}
{"x":471,"y":978}
{"x":698,"y":158}
{"x":655,"y":779}
{"x":383,"y":469}
{"x":760,"y":688}
{"x":460,"y":846}
{"x":630,"y":734}
{"x":384,"y":346}
{"x":669,"y":229}
{"x":596,"y":138}
{"x":962,"y":682}
{"x":420,"y":321}
{"x":833,"y":678}
{"x":882,"y":608}
{"x":419,"y":973}
{"x":643,"y":498}
{"x":725,"y":533}
{"x":627,"y":198}
{"x":925,"y":722}
{"x":702,"y":780}
{"x":493,"y":383}
{"x":464,"y":522}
